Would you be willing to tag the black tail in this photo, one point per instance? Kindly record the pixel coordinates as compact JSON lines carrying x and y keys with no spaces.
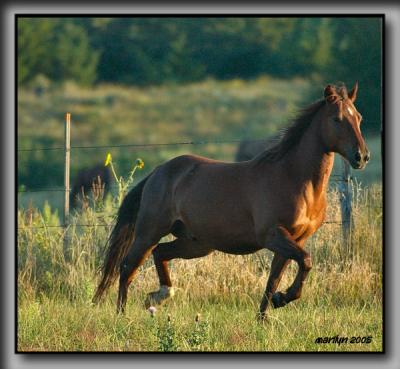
{"x":121,"y":238}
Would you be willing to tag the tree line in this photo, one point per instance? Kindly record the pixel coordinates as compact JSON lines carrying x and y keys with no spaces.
{"x":150,"y":50}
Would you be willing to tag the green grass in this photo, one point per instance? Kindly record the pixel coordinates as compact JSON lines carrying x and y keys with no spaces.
{"x":57,"y":325}
{"x":342,"y":294}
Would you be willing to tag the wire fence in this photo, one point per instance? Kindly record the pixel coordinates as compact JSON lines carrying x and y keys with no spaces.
{"x":203,"y":142}
{"x":337,"y":222}
{"x":334,"y":177}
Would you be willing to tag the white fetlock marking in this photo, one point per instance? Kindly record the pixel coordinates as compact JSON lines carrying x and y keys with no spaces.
{"x":159,"y":296}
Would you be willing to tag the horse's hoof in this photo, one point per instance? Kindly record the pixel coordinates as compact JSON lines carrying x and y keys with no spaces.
{"x":261,"y":317}
{"x":120,"y":311}
{"x":278,"y":300}
{"x":148,"y":302}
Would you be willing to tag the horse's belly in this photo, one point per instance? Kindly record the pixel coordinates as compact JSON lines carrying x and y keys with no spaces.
{"x":239,"y":249}
{"x":227,"y":235}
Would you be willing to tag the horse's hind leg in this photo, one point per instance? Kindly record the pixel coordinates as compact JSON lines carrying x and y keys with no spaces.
{"x":138,"y":253}
{"x":181,"y":248}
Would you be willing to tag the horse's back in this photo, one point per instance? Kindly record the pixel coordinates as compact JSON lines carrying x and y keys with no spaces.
{"x":191,"y":172}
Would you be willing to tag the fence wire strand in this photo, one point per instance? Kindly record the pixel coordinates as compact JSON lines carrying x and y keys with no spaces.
{"x":202,"y":142}
{"x":141,"y":145}
{"x":58,"y":189}
{"x":335,"y":177}
{"x":111,"y":225}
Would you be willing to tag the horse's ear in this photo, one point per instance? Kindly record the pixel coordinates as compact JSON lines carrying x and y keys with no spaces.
{"x":330,"y":94}
{"x":329,"y":90}
{"x":353,"y":93}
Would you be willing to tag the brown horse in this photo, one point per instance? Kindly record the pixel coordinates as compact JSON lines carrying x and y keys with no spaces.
{"x":89,"y":179}
{"x":275,"y":201}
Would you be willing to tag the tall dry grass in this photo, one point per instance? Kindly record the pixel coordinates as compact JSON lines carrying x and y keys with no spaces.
{"x":342,"y":295}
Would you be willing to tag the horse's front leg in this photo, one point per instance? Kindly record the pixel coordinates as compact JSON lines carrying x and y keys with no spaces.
{"x":278,"y":267}
{"x":283,"y":244}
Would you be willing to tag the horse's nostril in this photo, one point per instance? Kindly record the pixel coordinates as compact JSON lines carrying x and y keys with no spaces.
{"x":358,"y":156}
{"x":366,"y":158}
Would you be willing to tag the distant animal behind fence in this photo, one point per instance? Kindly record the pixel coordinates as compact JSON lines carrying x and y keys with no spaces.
{"x":96,"y":180}
{"x":248,"y":149}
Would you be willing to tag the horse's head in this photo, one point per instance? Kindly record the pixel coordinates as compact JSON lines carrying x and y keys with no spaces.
{"x":341,"y":129}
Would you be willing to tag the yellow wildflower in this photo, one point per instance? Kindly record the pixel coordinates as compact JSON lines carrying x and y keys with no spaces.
{"x":108,"y":159}
{"x":140,"y":163}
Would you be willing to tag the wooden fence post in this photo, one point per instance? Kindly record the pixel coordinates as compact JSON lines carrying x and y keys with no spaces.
{"x":346,"y":194}
{"x":67,"y":152}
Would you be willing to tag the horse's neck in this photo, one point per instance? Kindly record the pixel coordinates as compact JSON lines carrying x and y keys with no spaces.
{"x":308,"y":162}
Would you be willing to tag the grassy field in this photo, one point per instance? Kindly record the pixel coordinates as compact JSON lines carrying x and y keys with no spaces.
{"x":342,"y":295}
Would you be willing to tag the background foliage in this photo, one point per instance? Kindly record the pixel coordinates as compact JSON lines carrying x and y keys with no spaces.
{"x":143,"y":50}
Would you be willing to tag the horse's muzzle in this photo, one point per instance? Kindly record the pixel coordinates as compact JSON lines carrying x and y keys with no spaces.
{"x":360,"y":159}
